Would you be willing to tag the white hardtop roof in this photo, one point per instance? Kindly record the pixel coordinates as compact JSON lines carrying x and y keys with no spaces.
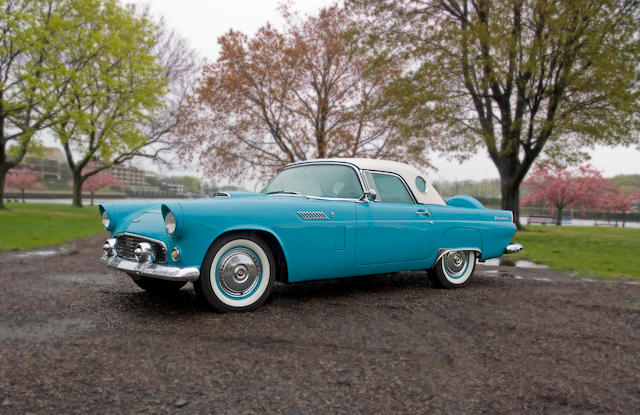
{"x":407,"y":172}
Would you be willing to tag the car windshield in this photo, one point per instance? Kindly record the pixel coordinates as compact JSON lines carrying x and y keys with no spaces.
{"x":321,"y":180}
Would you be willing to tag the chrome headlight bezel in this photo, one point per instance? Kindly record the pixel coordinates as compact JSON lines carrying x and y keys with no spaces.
{"x":170,"y":223}
{"x":106,"y":220}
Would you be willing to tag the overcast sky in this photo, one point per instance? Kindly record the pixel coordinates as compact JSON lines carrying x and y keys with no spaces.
{"x":203,"y":21}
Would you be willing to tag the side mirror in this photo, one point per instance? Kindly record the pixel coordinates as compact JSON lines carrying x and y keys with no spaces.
{"x":369,"y":196}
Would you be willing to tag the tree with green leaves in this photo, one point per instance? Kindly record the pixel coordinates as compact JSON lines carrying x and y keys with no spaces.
{"x":32,"y":34}
{"x":521,"y":79}
{"x":110,"y":100}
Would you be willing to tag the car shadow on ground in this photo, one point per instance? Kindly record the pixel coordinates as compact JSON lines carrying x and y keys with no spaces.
{"x":335,"y":290}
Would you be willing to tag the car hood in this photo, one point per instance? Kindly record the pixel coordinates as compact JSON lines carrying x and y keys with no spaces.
{"x":146,"y":217}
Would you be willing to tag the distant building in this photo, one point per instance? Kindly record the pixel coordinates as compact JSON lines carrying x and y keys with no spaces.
{"x":128,"y":176}
{"x":46,"y":165}
{"x":175,"y":188}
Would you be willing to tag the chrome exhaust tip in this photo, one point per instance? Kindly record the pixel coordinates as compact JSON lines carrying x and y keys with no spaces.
{"x":513,"y":248}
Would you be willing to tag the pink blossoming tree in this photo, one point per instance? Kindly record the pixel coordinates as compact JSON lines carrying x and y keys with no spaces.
{"x":99,"y":181}
{"x":23,"y":179}
{"x":561,"y":188}
{"x":615,"y":200}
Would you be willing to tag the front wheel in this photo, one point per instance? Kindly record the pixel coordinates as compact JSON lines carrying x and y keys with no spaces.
{"x":237,"y":273}
{"x":453,"y":269}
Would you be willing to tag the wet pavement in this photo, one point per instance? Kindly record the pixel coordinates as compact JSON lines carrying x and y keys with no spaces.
{"x":75,"y":338}
{"x":506,"y":261}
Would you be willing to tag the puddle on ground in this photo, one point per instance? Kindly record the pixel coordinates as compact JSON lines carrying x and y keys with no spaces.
{"x":520,"y":277}
{"x":611,"y":281}
{"x":494,"y":273}
{"x":508,"y":262}
{"x":42,"y":252}
{"x":36,"y":253}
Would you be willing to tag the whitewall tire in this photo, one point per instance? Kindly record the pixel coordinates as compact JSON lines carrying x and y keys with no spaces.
{"x":453,"y":269}
{"x":237,"y":274}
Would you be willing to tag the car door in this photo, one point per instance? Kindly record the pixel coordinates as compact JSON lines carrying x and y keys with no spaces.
{"x":392,"y":228}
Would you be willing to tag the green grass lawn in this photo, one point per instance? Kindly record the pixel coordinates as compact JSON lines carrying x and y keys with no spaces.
{"x":32,"y":225}
{"x":599,"y":252}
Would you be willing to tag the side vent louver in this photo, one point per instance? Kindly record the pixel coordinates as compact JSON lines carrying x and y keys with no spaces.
{"x":307,"y":215}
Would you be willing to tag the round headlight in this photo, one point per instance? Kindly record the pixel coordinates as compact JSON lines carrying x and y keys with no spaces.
{"x":170,"y":223}
{"x":105,"y":220}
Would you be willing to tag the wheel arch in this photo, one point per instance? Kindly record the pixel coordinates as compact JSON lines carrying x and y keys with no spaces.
{"x":460,"y":238}
{"x":443,"y":251}
{"x":271,"y":239}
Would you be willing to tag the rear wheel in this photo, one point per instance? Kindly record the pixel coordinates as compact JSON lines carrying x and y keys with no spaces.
{"x":453,"y":269}
{"x":237,"y":274}
{"x":156,"y":286}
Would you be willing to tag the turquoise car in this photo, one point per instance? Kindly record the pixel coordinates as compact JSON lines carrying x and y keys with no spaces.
{"x":317,"y":219}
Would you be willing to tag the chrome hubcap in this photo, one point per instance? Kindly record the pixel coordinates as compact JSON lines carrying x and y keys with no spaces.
{"x":238,"y":272}
{"x":455,"y":262}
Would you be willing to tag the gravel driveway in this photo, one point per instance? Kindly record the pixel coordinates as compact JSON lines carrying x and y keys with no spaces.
{"x":76,"y":338}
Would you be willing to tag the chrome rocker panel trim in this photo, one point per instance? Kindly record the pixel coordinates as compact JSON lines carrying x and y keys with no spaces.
{"x":513,"y":248}
{"x":162,"y":272}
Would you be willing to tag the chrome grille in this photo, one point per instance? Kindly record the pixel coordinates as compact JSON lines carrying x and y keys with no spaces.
{"x":126,"y":244}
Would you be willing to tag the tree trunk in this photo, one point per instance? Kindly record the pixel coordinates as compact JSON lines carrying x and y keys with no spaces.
{"x":3,"y":176}
{"x":559,"y":218}
{"x":77,"y":189}
{"x":92,"y":195}
{"x":510,"y":188}
{"x":22,"y":191}
{"x":511,"y":201}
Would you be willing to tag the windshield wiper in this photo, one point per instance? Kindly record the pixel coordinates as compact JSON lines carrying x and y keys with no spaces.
{"x":285,"y":192}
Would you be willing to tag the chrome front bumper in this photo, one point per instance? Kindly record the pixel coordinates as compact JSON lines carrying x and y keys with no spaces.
{"x":151,"y":270}
{"x":513,"y":248}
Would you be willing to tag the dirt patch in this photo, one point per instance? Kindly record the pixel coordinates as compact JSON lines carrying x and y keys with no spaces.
{"x":76,"y":338}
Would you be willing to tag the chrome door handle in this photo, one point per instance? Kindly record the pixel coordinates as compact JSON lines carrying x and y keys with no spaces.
{"x":423,"y":212}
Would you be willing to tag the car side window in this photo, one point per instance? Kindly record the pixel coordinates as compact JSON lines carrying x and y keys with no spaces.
{"x":389,"y":188}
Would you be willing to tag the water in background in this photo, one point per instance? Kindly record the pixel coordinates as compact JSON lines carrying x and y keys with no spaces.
{"x":586,"y":222}
{"x":97,"y":201}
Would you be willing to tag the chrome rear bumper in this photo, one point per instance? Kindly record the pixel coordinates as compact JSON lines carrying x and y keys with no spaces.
{"x":151,"y":270}
{"x":513,"y":248}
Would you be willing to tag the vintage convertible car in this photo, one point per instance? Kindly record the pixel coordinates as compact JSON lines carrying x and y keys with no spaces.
{"x":316,"y":219}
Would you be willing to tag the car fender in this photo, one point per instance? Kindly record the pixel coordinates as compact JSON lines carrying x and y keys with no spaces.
{"x":250,"y":228}
{"x":460,"y":238}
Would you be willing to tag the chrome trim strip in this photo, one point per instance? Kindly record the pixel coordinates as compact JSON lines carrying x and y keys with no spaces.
{"x":335,"y":199}
{"x":443,"y":251}
{"x":162,"y":272}
{"x":221,"y":194}
{"x":513,"y":248}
